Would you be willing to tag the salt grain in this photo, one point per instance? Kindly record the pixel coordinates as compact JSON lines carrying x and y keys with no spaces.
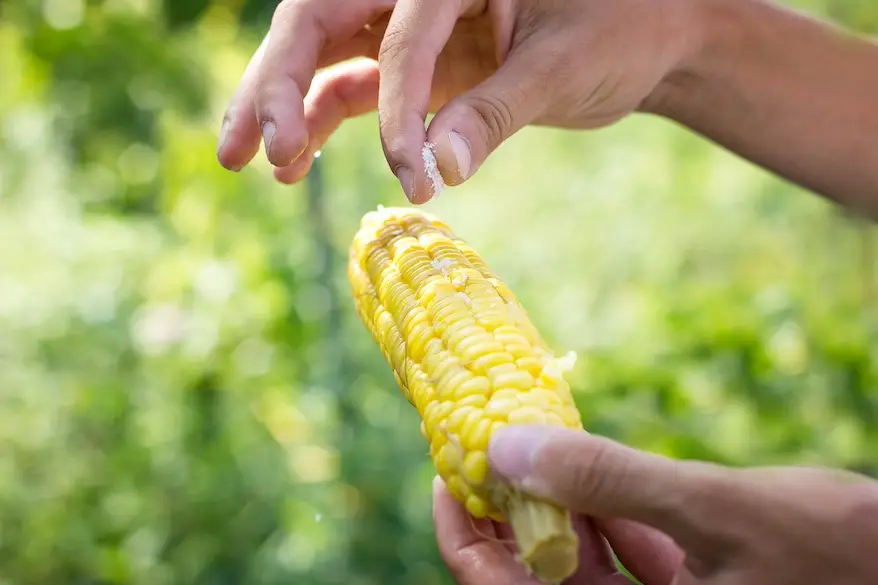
{"x":432,"y":168}
{"x":464,"y":296}
{"x":442,"y":265}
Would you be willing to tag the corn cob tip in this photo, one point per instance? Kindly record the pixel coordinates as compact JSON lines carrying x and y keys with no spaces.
{"x":547,"y":544}
{"x":466,"y":355}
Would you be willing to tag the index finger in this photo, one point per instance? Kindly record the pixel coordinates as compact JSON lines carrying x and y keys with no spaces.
{"x":471,"y":548}
{"x":300,"y":30}
{"x":651,"y":556}
{"x":417,"y":33}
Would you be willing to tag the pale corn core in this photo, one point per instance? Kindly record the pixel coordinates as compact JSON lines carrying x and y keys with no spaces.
{"x":463,"y":350}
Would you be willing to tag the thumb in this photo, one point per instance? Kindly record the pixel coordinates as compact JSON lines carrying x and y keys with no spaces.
{"x":602,"y":478}
{"x":470,"y":127}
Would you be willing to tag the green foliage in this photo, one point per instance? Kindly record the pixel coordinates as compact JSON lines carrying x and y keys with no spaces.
{"x":187,"y":397}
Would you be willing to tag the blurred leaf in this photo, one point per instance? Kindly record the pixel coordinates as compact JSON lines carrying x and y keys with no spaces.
{"x":182,"y":13}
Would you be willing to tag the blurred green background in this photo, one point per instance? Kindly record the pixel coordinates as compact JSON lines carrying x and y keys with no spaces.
{"x":186,"y":395}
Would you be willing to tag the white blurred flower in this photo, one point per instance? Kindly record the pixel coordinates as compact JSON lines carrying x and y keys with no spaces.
{"x":156,"y":328}
{"x":216,"y":281}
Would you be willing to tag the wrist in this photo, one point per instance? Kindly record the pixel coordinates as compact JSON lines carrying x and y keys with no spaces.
{"x":715,"y":30}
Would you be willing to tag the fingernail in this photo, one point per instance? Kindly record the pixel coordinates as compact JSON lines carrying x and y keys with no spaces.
{"x":268,"y":130}
{"x":512,"y":451}
{"x":406,"y":178}
{"x":462,"y":154}
{"x":224,"y":131}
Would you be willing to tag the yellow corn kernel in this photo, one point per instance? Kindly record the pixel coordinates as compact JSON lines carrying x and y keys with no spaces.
{"x":466,"y":355}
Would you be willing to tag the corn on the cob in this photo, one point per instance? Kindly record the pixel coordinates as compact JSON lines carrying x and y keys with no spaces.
{"x":466,"y":355}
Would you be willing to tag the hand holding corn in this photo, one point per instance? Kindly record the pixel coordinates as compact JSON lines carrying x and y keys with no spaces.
{"x":515,"y":465}
{"x":672,"y":522}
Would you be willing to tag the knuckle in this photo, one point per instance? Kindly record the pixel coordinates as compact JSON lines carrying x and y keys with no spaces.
{"x":709,"y":498}
{"x":699,"y":497}
{"x":275,"y":87}
{"x":283,"y":12}
{"x":588,"y":475}
{"x":495,"y":114}
{"x":392,"y":143}
{"x":325,"y":14}
{"x":612,"y":472}
{"x":239,"y":108}
{"x":394,"y":46}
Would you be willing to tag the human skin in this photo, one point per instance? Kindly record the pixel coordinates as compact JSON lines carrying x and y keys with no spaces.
{"x":788,"y":92}
{"x":670,"y":522}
